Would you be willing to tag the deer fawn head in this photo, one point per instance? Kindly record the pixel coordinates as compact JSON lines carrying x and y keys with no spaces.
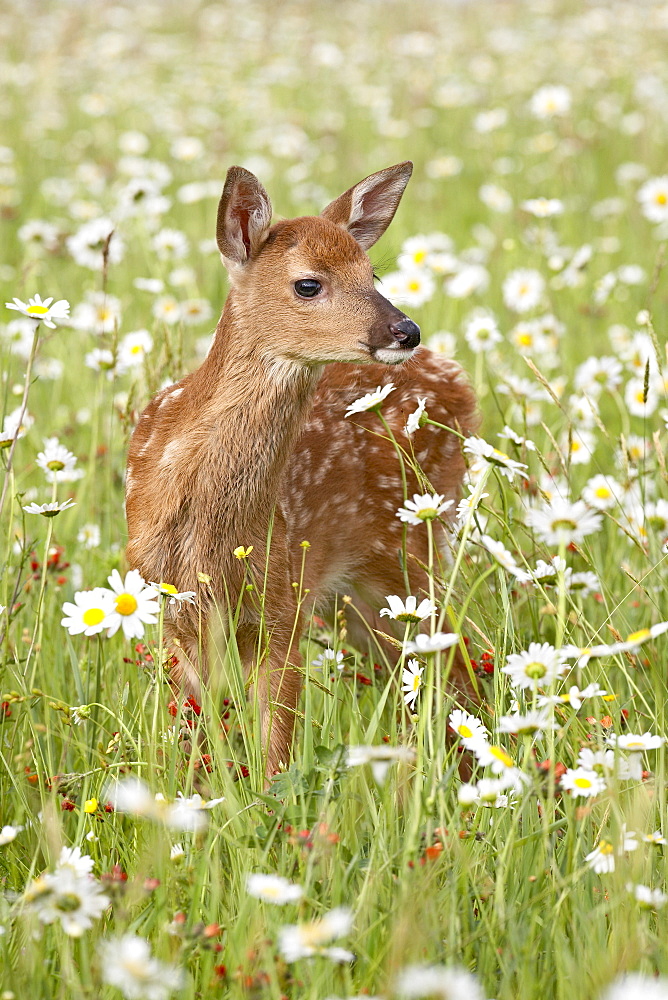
{"x":302,"y":289}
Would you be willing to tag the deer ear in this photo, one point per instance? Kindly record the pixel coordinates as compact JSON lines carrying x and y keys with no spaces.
{"x":244,"y":216}
{"x":367,"y":209}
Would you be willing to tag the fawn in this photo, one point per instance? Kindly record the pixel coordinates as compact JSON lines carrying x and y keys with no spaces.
{"x":256,"y":440}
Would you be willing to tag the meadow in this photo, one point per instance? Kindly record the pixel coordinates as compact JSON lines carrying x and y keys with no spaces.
{"x":418,"y":845}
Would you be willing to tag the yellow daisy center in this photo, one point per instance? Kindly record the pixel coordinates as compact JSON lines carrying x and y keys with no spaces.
{"x":661,"y":198}
{"x":126,"y":604}
{"x":605,"y":847}
{"x":414,"y":286}
{"x":93,"y":616}
{"x":602,"y":492}
{"x":169,"y":588}
{"x":417,"y":680}
{"x":582,"y":782}
{"x":419,"y":256}
{"x":525,"y":340}
{"x":37,"y":310}
{"x":501,"y":755}
{"x":636,"y":745}
{"x":640,"y":636}
{"x":464,"y":731}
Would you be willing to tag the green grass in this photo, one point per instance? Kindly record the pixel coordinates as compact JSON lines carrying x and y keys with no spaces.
{"x":504,"y":892}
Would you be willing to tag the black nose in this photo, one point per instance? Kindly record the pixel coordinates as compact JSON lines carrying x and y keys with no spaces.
{"x":406,"y":332}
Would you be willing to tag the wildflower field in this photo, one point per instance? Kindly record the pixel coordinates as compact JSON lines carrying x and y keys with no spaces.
{"x":509,"y":846}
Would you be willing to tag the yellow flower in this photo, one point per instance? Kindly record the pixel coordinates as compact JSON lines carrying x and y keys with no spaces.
{"x":241,"y":553}
{"x":90,"y":806}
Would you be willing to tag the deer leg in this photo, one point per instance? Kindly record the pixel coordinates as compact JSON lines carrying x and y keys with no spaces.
{"x":278,"y":689}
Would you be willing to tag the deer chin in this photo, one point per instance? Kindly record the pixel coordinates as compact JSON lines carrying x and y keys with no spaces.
{"x":393,"y":355}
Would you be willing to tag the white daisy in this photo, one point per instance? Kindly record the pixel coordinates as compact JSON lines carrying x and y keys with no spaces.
{"x":330,"y":658}
{"x":49,"y":509}
{"x":95,"y":239}
{"x":470,"y":730}
{"x":273,"y":889}
{"x":75,"y":900}
{"x":71,"y":857}
{"x":423,"y":508}
{"x":656,"y":838}
{"x":469,"y":280}
{"x":601,"y":492}
{"x":517,"y":439}
{"x":604,"y":761}
{"x":380,"y":757}
{"x":496,"y":198}
{"x":650,"y":899}
{"x":447,"y":982}
{"x":188,"y":813}
{"x":371,"y":400}
{"x":504,"y":558}
{"x":167,"y":309}
{"x":602,"y":858}
{"x":57,"y":462}
{"x":485,"y":454}
{"x":631,"y":643}
{"x":411,"y":681}
{"x":170,"y":244}
{"x":410,"y":611}
{"x":135,"y":605}
{"x":128,"y":965}
{"x":653,"y":198}
{"x":306,"y":940}
{"x":550,"y":101}
{"x":574,"y":696}
{"x":9,"y":833}
{"x":641,"y":400}
{"x":636,"y":742}
{"x":89,"y":612}
{"x":562,"y":522}
{"x":133,"y":348}
{"x":89,"y":536}
{"x":491,"y":755}
{"x":409,"y":288}
{"x":414,"y":421}
{"x":543,"y":208}
{"x":538,"y":666}
{"x":173,"y":596}
{"x":422,"y":645}
{"x":482,"y":333}
{"x":581,"y":782}
{"x":523,"y":289}
{"x":468,"y":505}
{"x":41,"y":310}
{"x":534,"y":722}
{"x":596,"y":375}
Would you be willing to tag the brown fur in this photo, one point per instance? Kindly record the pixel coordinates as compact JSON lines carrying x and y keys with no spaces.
{"x":258,"y":433}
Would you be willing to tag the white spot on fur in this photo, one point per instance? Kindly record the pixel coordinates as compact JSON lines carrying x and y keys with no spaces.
{"x":172,"y":448}
{"x":145,"y":447}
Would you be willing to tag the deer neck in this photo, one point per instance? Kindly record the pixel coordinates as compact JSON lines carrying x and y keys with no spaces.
{"x":253,"y":406}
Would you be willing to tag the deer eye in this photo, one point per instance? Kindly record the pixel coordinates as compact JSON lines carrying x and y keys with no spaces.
{"x":307,"y":288}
